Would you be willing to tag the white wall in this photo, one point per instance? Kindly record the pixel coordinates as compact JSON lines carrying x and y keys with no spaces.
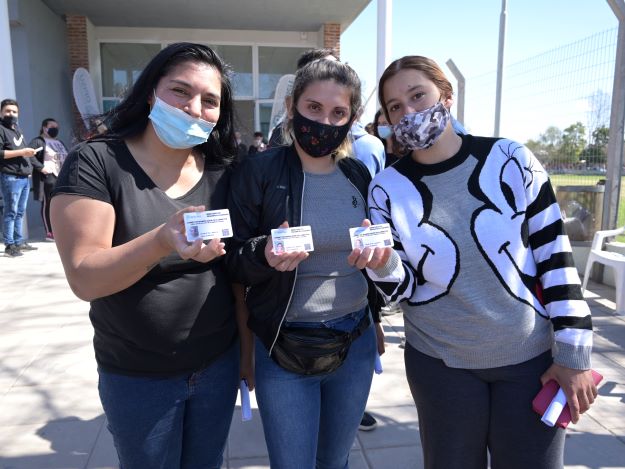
{"x":42,"y":77}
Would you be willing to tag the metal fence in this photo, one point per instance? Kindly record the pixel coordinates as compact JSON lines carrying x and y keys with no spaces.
{"x":558,"y":104}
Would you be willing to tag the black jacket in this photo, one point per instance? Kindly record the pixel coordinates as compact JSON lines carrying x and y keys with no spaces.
{"x":38,"y":176}
{"x":37,"y":161}
{"x":265,"y":192}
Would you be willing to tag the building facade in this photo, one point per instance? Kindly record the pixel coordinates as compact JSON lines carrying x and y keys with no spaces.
{"x":113,"y":40}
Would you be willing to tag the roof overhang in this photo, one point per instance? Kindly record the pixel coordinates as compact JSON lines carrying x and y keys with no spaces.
{"x":260,"y":15}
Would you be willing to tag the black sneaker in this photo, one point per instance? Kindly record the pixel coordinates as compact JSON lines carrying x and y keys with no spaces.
{"x":26,"y":247}
{"x":11,"y":250}
{"x":368,"y":422}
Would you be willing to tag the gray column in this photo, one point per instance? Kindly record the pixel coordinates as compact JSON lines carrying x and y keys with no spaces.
{"x":7,"y":77}
{"x":617,"y":121}
{"x":385,"y":31}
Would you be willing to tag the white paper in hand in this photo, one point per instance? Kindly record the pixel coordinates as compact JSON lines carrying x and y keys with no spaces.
{"x":207,"y":225}
{"x":246,"y":408}
{"x":378,"y":365}
{"x":551,"y":415}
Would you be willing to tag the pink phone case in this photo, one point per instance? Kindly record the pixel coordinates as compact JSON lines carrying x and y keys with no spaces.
{"x":546,"y":394}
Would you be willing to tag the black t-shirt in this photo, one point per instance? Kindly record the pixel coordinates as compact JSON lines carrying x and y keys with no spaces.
{"x":180,"y":316}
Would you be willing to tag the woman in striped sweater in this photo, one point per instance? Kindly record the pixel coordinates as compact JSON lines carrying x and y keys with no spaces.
{"x":484,"y":274}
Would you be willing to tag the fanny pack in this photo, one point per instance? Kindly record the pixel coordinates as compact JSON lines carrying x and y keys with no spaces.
{"x":315,"y":350}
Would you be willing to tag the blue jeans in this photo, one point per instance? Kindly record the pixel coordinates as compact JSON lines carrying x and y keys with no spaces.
{"x":311,"y":421}
{"x":167,"y":423}
{"x":15,"y":190}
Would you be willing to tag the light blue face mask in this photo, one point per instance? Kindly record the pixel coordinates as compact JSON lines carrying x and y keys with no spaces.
{"x":385,"y":131}
{"x":177,"y":129}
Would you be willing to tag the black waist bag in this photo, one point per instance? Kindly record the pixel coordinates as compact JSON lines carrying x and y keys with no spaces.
{"x":314,"y":351}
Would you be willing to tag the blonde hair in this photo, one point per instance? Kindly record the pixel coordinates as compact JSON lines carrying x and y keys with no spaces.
{"x":322,"y":70}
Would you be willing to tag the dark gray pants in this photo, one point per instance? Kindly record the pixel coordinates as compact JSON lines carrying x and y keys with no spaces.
{"x":465,"y":413}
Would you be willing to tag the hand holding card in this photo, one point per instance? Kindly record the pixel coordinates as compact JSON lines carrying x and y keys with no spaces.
{"x":371,"y":245}
{"x":207,"y":225}
{"x":287,"y":239}
{"x":371,"y":236}
{"x":287,"y":247}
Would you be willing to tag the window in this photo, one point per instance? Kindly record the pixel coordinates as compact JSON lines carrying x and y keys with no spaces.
{"x":239,"y":59}
{"x":273,"y":62}
{"x":121,"y":66}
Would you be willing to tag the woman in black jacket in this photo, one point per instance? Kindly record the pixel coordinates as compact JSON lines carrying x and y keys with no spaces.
{"x":51,"y":156}
{"x":311,"y":398}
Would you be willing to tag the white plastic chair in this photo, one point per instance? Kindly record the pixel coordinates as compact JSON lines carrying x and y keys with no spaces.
{"x":611,"y":259}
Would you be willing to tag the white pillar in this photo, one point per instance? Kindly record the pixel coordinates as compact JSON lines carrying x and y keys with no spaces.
{"x":502,"y":42}
{"x":617,"y":126}
{"x":385,"y":31}
{"x":7,"y":77}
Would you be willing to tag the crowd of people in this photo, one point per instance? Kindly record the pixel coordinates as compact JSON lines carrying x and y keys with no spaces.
{"x":480,"y":267}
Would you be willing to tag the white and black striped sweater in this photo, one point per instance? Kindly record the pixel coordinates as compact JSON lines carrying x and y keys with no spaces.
{"x":483,"y":269}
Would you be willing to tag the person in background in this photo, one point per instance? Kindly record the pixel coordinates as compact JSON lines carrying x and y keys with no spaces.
{"x":310,"y":414}
{"x":16,"y":166}
{"x":368,"y":149}
{"x":162,"y":308}
{"x":241,"y":147}
{"x":51,"y":157}
{"x":258,"y":145}
{"x":384,"y":132}
{"x":484,"y":274}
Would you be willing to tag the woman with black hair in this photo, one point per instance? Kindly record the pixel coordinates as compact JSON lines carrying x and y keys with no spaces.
{"x":383,"y":131}
{"x":51,"y":156}
{"x":162,"y":309}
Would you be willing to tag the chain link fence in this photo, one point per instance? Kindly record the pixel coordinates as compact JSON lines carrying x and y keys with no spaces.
{"x":558,"y":104}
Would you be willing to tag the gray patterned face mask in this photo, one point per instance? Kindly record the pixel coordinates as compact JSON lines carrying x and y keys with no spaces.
{"x":420,"y":130}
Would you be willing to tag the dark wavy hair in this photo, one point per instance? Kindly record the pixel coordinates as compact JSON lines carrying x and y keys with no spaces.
{"x":45,"y":122}
{"x":130,"y":117}
{"x":314,"y":54}
{"x":378,"y":113}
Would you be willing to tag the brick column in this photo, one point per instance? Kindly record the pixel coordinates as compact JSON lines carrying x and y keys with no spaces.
{"x":78,"y":48}
{"x":332,"y":37}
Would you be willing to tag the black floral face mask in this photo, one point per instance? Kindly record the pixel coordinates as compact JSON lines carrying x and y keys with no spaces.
{"x":318,"y":139}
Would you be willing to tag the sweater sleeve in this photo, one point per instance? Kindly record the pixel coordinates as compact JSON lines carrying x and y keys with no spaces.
{"x":397,"y":280}
{"x":561,"y":290}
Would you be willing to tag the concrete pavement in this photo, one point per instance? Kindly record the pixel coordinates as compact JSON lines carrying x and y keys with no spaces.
{"x":51,"y":417}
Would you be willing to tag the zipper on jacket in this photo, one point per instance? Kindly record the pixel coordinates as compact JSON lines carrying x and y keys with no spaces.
{"x":301,"y":212}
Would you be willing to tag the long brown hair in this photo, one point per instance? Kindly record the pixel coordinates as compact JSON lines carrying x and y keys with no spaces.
{"x":322,"y":70}
{"x":422,"y":64}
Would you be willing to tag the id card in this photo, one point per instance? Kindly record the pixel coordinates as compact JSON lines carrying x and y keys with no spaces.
{"x":371,"y":236}
{"x":207,"y":225}
{"x":297,"y":238}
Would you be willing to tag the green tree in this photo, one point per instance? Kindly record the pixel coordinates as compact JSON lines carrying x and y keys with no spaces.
{"x":539,"y":151}
{"x":573,"y":143}
{"x":596,"y":154}
{"x":550,"y":143}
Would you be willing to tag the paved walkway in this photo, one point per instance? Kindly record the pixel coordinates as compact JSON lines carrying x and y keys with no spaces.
{"x":51,"y":418}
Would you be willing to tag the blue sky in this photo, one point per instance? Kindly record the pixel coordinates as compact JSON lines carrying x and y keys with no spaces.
{"x":468,"y":33}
